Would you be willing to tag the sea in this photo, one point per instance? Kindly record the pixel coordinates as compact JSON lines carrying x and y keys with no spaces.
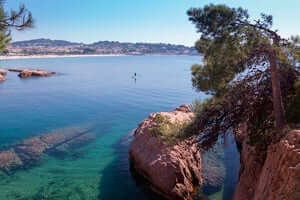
{"x":102,"y":93}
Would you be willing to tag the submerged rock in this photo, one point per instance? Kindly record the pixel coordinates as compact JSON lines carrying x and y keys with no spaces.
{"x":213,"y":169}
{"x":25,"y":73}
{"x":273,"y":176}
{"x":173,"y":170}
{"x":9,"y":160}
{"x":31,"y":150}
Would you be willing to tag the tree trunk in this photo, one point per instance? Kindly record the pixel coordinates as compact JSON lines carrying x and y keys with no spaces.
{"x":276,"y":93}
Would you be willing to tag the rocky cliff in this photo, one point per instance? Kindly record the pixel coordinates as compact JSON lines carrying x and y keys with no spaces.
{"x":274,"y":176}
{"x":174,"y":170}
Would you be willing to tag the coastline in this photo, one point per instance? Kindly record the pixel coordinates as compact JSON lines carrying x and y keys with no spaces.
{"x":57,"y":56}
{"x":80,"y":55}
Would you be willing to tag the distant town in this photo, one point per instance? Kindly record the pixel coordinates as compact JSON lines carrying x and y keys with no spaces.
{"x":62,"y":47}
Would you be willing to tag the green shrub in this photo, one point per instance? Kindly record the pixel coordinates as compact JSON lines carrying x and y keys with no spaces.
{"x":169,"y":132}
{"x":198,"y":106}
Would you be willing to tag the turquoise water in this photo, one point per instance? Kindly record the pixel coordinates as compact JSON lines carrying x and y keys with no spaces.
{"x":98,"y":92}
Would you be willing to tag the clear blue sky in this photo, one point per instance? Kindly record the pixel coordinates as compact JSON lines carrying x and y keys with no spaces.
{"x":138,"y":20}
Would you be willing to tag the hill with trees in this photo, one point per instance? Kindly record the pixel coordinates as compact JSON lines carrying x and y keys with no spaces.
{"x":62,"y":47}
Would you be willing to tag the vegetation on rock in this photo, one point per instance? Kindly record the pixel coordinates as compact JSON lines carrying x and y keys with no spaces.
{"x":169,"y":131}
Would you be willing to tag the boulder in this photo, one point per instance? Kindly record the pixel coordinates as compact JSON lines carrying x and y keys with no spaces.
{"x":25,"y":73}
{"x":173,"y":170}
{"x":34,"y":72}
{"x":2,"y":72}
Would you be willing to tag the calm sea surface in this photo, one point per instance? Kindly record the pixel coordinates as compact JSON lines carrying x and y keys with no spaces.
{"x":98,"y":92}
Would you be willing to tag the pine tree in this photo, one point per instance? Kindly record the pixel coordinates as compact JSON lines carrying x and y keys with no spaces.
{"x":19,"y":20}
{"x":232,"y":44}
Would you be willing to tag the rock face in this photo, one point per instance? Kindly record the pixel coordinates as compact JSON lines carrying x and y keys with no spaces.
{"x":25,"y":73}
{"x":277,"y":177}
{"x":31,"y":150}
{"x":174,"y":171}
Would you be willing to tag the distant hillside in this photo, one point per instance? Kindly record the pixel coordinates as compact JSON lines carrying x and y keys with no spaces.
{"x":42,"y":42}
{"x":62,"y":47}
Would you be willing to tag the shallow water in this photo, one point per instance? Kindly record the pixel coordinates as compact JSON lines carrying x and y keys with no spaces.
{"x":99,"y":92}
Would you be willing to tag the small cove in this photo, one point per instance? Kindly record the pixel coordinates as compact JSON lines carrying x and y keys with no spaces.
{"x":100,"y":92}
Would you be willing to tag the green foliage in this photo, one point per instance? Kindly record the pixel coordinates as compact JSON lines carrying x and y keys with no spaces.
{"x":198,"y":106}
{"x":246,"y":101}
{"x":19,"y":20}
{"x":4,"y":34}
{"x":294,"y":49}
{"x":215,"y":20}
{"x":168,"y":131}
{"x":4,"y":40}
{"x":260,"y":131}
{"x":237,"y":55}
{"x":297,"y":87}
{"x":227,"y":45}
{"x":293,"y":106}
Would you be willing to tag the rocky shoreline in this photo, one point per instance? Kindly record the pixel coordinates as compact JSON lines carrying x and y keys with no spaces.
{"x":176,"y":171}
{"x":275,"y":175}
{"x":26,"y":73}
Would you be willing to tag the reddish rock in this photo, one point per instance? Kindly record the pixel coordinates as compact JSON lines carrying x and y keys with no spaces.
{"x":275,"y":177}
{"x":250,"y":167}
{"x":2,"y":72}
{"x":280,"y":176}
{"x":184,"y":108}
{"x":174,"y":171}
{"x":2,"y":78}
{"x":25,"y":73}
{"x":34,"y":72}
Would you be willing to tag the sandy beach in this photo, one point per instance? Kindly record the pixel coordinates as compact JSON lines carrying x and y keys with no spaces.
{"x":57,"y":56}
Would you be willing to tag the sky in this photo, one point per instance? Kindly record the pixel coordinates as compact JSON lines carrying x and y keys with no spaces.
{"x":155,"y":21}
